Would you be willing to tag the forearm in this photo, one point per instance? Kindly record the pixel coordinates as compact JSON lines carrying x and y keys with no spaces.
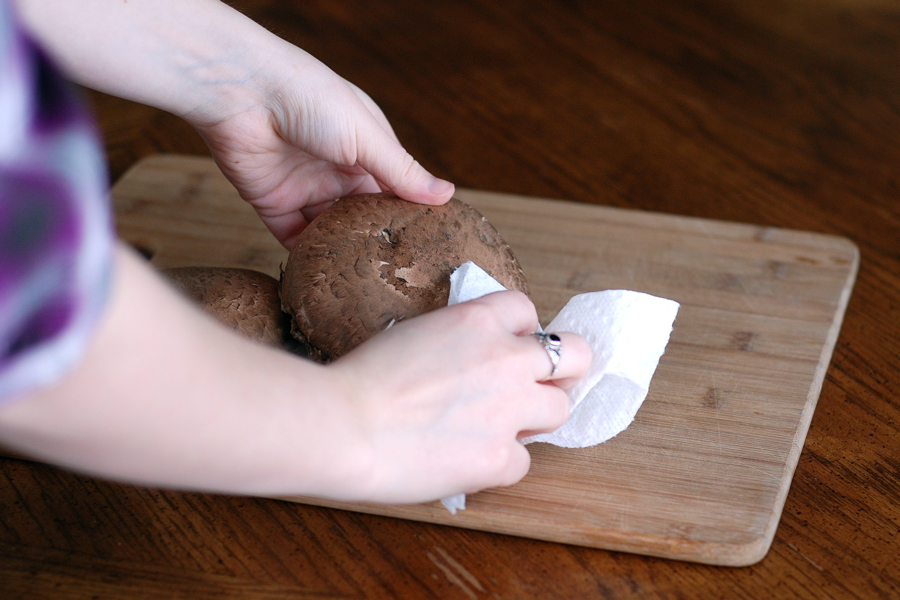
{"x":166,"y":396}
{"x":431,"y":407}
{"x":184,"y":56}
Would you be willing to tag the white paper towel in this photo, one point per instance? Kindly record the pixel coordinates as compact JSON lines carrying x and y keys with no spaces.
{"x":627,"y":331}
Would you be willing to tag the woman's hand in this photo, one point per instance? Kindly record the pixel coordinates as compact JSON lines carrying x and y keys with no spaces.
{"x":312,"y":138}
{"x":444,"y":398}
{"x":167,"y":396}
{"x":289,"y":133}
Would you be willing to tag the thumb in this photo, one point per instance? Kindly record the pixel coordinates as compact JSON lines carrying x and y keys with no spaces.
{"x":392,"y":166}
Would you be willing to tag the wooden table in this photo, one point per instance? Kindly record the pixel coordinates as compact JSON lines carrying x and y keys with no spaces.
{"x":783,"y":114}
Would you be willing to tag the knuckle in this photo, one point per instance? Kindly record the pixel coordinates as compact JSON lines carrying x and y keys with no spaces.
{"x":498,"y":303}
{"x":520,"y":297}
{"x":477,"y":315}
{"x":497,"y":459}
{"x":524,"y":305}
{"x":408,"y":170}
{"x":518,"y":300}
{"x":513,"y":464}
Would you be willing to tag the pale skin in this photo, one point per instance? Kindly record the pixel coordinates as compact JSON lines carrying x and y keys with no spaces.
{"x":165,"y":396}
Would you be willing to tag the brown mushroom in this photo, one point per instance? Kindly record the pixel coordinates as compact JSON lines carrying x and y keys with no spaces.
{"x":244,"y":300}
{"x":371,"y":260}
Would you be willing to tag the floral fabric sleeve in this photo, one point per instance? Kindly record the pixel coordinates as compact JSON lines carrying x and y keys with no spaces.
{"x":56,"y":234}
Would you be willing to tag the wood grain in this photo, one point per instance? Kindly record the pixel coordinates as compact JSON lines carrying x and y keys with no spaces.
{"x":779,"y":113}
{"x":703,"y":471}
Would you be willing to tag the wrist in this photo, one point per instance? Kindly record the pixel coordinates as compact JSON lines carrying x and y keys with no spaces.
{"x":350,"y":463}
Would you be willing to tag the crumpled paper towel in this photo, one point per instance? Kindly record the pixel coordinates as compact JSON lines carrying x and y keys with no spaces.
{"x":627,"y":331}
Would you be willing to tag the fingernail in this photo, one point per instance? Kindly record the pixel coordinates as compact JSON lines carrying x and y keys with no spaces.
{"x":439,"y":187}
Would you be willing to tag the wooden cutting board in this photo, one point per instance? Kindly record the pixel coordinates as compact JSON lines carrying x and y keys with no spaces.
{"x":703,"y":471}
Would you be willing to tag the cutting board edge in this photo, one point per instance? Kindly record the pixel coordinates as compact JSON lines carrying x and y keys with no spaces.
{"x":671,"y":548}
{"x":164,"y":159}
{"x":758,"y":232}
{"x":812,"y":399}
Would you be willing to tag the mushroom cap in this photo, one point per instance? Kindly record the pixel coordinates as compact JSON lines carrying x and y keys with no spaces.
{"x":371,"y":260}
{"x":245,"y":300}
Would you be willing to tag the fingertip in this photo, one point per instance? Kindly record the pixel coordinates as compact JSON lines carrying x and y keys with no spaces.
{"x":441,"y":189}
{"x":427,"y":190}
{"x":563,"y":407}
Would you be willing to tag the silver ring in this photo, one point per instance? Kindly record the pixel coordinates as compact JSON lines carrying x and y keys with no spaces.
{"x":553,"y":345}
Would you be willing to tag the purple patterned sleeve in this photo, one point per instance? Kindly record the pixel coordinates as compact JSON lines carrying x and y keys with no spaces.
{"x":56,"y":234}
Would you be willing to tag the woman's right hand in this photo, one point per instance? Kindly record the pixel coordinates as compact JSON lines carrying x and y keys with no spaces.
{"x":444,"y":398}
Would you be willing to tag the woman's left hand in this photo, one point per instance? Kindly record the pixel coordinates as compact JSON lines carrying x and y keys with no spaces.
{"x":314,"y":138}
{"x":287,"y":131}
